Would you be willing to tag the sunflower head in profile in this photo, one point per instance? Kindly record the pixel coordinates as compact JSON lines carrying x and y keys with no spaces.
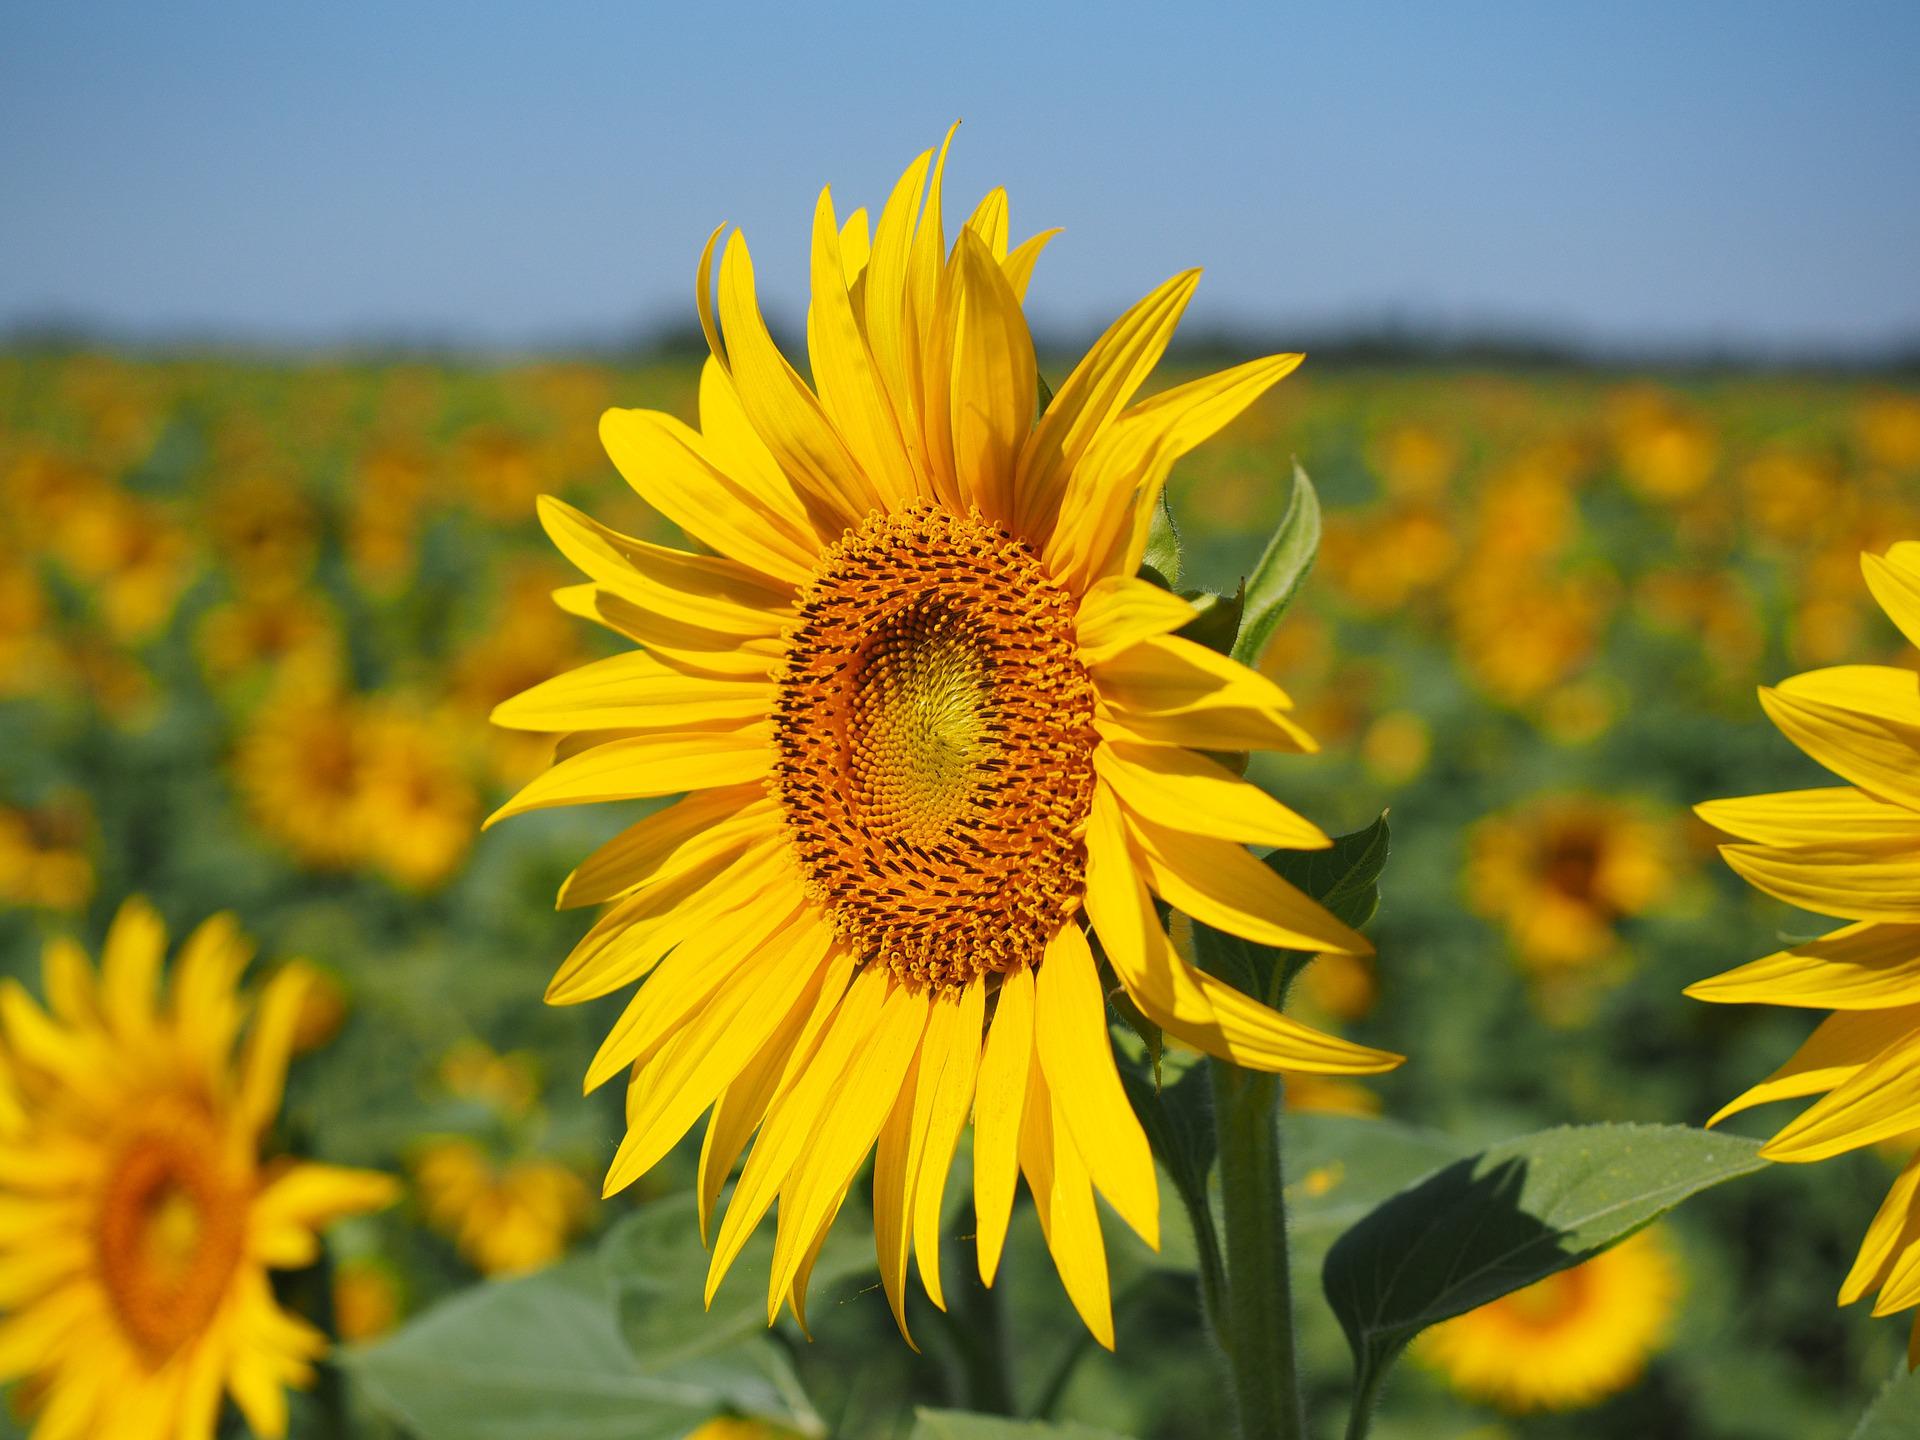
{"x":1851,"y":851}
{"x":929,"y":728}
{"x":1565,"y":1342}
{"x":140,"y":1218}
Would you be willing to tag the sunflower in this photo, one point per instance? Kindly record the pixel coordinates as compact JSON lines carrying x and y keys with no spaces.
{"x":1567,"y":1341}
{"x":1851,"y":851}
{"x":137,"y":1218}
{"x":926,"y":723}
{"x":1561,"y":873}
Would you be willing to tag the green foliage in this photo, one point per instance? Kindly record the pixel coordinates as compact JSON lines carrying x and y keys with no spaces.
{"x":1281,"y":569}
{"x":1895,"y":1412}
{"x":544,"y":1356}
{"x":1517,"y":1212}
{"x":1161,"y":562}
{"x":958,"y":1425}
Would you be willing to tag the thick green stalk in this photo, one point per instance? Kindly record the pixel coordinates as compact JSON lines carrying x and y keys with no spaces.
{"x":1259,"y":1310}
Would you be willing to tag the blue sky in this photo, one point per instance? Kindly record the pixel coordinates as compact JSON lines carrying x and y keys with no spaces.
{"x":1632,"y":174}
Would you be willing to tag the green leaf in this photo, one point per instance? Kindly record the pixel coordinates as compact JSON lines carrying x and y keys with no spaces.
{"x":545,"y":1356}
{"x":1161,"y":562}
{"x":1345,"y":878}
{"x":1339,"y":1167}
{"x":960,"y":1425}
{"x":657,"y":1270}
{"x":1282,"y":566}
{"x":1496,"y":1222}
{"x":1895,"y":1412}
{"x":1218,"y":621}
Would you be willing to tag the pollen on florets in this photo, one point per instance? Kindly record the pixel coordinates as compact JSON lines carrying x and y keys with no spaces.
{"x":934,"y":739}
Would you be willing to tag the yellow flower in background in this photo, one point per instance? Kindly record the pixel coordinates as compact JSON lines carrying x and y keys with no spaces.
{"x":345,"y":781}
{"x":503,"y":1219}
{"x":1565,"y":1342}
{"x":1560,"y":873}
{"x":1850,"y":851}
{"x":292,"y":634}
{"x":366,"y":1298}
{"x":46,"y":854}
{"x":1666,"y":452}
{"x":415,"y":805}
{"x":133,"y":558}
{"x":928,"y":719}
{"x":141,"y":1217}
{"x":1888,"y":430}
{"x":507,"y":1083}
{"x":265,"y":530}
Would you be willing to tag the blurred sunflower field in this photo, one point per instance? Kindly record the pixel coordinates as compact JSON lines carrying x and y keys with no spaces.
{"x":254,"y":617}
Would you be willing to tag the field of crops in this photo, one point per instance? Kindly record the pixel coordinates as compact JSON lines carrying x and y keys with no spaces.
{"x":253,"y":619}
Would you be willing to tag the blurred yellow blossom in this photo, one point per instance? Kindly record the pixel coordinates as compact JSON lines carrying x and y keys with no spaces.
{"x":503,"y":1219}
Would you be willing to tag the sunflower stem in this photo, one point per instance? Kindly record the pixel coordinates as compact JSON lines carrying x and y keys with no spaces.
{"x":1259,"y":1338}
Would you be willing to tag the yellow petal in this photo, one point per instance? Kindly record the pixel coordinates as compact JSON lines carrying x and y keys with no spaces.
{"x":263,"y":1067}
{"x":673,"y":470}
{"x":1859,"y":967}
{"x":893,"y":1159}
{"x":989,"y":222}
{"x":692,"y":833}
{"x":941,"y":1122}
{"x":701,"y":964}
{"x":634,"y":935}
{"x":637,"y":691}
{"x":744,"y":1103}
{"x":1855,"y":882}
{"x":1834,"y":813}
{"x":783,"y":410}
{"x":844,"y":1132}
{"x":130,"y":968}
{"x":1111,"y":495}
{"x":1878,"y":1103}
{"x":885,"y":307}
{"x":1018,"y":266}
{"x":1063,"y":1198}
{"x":993,"y":381}
{"x":1894,"y":1231}
{"x":1190,"y":1004}
{"x":690,"y":649}
{"x":999,"y":1102}
{"x":644,"y":766}
{"x":851,"y":390}
{"x":790,"y":1121}
{"x":1185,"y":791}
{"x":1220,"y":884}
{"x":688,"y":1072}
{"x":1897,"y":588}
{"x":1092,"y":395}
{"x":1166,"y":687}
{"x":1840,"y":1047}
{"x":1120,"y":611}
{"x":1877,"y":749}
{"x":702,"y":590}
{"x":1076,"y":1055}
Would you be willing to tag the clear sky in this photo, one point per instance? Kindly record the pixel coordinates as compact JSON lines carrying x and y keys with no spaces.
{"x":1628,"y":173}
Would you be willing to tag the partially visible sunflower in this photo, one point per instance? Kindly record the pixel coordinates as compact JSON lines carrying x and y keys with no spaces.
{"x":138,"y":1218}
{"x":1850,"y":851}
{"x":1565,"y":1342}
{"x":504,"y":1219}
{"x":932,"y":725}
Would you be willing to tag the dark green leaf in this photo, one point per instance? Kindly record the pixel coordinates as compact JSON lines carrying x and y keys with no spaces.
{"x":1345,"y":878}
{"x":1282,"y":566}
{"x":959,"y":1425}
{"x":1218,"y":621}
{"x":1513,"y":1214}
{"x":1895,"y":1413}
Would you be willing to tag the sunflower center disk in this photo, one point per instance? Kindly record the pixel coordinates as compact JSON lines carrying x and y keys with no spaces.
{"x":935,"y":746}
{"x":172,"y":1220}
